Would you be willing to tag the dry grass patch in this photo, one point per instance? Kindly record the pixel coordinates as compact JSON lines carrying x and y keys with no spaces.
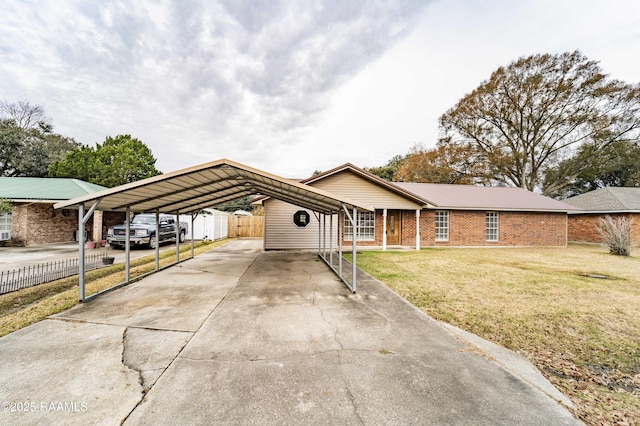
{"x":583,"y":333}
{"x":25,"y":307}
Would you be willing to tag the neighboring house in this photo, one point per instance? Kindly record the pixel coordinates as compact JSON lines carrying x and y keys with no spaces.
{"x":594,"y":205}
{"x":418,"y":214}
{"x":33,"y":219}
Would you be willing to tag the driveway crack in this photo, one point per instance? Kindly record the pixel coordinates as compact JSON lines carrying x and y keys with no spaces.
{"x":324,"y":318}
{"x":127,"y":362}
{"x":339,"y":352}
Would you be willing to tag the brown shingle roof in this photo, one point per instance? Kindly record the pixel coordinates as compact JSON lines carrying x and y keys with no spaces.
{"x":461,"y":197}
{"x":470,"y":197}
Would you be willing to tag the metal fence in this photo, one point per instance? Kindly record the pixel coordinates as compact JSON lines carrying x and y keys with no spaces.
{"x":33,"y":275}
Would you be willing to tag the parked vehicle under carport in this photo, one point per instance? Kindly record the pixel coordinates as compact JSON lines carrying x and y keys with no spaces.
{"x":143,"y":231}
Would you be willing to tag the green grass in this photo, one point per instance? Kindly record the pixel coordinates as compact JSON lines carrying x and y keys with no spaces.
{"x":24,"y":307}
{"x":582,"y":333}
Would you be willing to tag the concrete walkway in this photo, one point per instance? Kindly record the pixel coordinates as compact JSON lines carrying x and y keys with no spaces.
{"x":237,"y":336}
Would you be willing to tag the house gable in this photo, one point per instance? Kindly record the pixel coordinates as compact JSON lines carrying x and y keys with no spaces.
{"x":350,"y":184}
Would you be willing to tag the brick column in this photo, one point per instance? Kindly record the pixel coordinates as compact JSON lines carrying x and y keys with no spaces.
{"x":97,"y":225}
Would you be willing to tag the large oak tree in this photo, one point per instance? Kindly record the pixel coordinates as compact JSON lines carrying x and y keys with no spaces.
{"x":536,"y":112}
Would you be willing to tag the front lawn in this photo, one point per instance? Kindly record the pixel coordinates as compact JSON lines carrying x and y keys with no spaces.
{"x":574,"y":312}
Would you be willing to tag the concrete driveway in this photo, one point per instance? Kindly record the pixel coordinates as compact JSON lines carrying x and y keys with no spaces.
{"x":240,"y":336}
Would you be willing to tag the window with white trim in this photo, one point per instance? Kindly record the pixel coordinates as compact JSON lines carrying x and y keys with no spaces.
{"x":492,"y":221}
{"x":366,"y":223}
{"x":442,"y":225}
{"x":5,"y":226}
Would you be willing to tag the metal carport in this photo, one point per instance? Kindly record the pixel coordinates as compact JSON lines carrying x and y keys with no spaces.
{"x":189,"y":190}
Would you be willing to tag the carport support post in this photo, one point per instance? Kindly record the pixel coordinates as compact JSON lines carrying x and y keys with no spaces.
{"x":353,"y":249}
{"x":324,"y":235}
{"x":81,"y":251}
{"x":193,"y":219}
{"x":177,"y":226}
{"x":157,"y":248}
{"x":127,"y":245}
{"x":331,"y":239}
{"x":82,"y":220}
{"x":340,"y":237}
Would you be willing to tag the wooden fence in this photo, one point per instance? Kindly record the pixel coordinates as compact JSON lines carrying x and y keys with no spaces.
{"x":246,"y":226}
{"x":33,"y":275}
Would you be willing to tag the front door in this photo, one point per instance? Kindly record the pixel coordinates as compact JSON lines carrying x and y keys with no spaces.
{"x":393,"y":227}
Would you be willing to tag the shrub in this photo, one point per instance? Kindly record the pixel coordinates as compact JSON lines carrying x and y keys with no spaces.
{"x":5,"y":205}
{"x":616,"y":233}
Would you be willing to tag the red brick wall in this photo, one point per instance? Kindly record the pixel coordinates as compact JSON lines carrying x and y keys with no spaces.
{"x":467,"y":228}
{"x":408,"y":237}
{"x":39,"y":223}
{"x":582,"y":227}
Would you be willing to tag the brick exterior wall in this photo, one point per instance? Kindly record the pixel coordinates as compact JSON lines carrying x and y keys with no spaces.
{"x":39,"y":223}
{"x":582,"y":227}
{"x":468,"y":228}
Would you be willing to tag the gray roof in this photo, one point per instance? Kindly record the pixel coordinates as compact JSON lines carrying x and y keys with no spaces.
{"x":609,"y":199}
{"x":470,"y":197}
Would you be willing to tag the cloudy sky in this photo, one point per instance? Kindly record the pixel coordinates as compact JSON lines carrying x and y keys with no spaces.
{"x":289,"y":87}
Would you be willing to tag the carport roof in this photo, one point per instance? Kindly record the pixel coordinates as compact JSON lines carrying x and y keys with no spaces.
{"x":206,"y":185}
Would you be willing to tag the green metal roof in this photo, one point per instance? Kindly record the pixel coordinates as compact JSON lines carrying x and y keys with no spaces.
{"x":43,"y":189}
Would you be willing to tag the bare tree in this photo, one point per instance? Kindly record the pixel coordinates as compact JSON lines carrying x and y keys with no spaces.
{"x":25,"y":116}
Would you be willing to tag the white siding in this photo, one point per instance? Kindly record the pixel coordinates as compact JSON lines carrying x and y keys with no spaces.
{"x":281,"y":233}
{"x":356,"y":188}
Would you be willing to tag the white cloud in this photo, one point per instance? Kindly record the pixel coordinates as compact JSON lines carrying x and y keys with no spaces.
{"x":287,"y":86}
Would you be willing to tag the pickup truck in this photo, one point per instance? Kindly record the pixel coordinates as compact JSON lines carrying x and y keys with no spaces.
{"x":143,"y":231}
